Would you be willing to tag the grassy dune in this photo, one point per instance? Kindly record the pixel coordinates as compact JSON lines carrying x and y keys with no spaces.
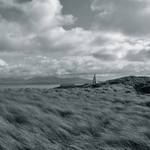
{"x":107,"y":118}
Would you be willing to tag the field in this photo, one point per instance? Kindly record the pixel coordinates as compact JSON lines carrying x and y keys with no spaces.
{"x":111,"y":117}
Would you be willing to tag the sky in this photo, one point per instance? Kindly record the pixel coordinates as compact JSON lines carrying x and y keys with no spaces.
{"x":74,"y":37}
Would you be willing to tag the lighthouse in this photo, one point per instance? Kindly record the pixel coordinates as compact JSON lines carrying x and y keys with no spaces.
{"x":94,"y":81}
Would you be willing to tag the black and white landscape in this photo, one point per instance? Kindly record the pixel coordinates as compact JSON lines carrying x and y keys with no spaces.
{"x":74,"y":75}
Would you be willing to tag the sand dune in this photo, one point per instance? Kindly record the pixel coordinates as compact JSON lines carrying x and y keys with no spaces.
{"x":113,"y":117}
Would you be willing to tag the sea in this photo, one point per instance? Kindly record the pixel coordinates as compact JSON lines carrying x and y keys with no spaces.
{"x":45,"y":86}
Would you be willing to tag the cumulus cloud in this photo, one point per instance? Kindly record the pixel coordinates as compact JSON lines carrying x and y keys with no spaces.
{"x":34,"y":14}
{"x":23,"y":22}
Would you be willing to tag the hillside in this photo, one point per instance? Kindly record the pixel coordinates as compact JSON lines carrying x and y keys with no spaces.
{"x":140,"y":84}
{"x":110,"y":117}
{"x":130,"y":80}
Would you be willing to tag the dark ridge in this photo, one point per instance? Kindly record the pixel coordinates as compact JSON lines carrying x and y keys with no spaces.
{"x":130,"y":80}
{"x":141,"y":83}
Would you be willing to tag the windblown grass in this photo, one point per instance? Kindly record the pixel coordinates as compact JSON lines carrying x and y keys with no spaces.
{"x":108,"y":118}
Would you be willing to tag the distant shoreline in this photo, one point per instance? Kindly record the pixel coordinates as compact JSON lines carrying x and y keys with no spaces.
{"x":40,"y":86}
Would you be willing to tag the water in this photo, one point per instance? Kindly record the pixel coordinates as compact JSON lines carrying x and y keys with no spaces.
{"x":48,"y":86}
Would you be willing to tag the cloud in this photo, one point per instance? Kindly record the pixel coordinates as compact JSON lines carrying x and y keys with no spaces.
{"x":141,"y":56}
{"x":23,"y":23}
{"x":104,"y":56}
{"x":131,"y":17}
{"x":35,"y":14}
{"x":23,"y":1}
{"x":34,"y":40}
{"x":2,"y":63}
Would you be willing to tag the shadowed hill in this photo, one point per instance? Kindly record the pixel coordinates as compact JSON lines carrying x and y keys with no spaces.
{"x":130,"y":80}
{"x":141,"y":84}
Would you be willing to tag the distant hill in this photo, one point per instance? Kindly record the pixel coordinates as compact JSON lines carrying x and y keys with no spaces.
{"x":42,"y":80}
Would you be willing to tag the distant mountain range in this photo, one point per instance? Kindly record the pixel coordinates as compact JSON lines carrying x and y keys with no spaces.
{"x":42,"y":80}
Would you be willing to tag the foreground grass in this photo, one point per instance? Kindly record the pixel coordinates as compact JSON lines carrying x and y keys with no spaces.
{"x":108,"y":118}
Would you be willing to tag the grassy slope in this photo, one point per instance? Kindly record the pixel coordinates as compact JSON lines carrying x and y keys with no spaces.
{"x":106,"y":118}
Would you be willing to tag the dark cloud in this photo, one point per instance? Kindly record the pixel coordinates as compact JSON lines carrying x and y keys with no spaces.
{"x":141,"y":56}
{"x":131,"y":17}
{"x":23,"y":1}
{"x":80,"y":9}
{"x":11,"y":13}
{"x":104,"y":56}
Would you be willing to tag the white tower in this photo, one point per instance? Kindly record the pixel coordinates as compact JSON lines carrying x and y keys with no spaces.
{"x":94,"y":80}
